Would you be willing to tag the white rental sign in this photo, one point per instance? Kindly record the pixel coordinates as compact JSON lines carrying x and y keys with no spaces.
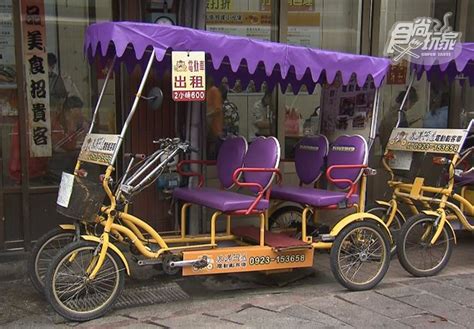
{"x":99,"y":148}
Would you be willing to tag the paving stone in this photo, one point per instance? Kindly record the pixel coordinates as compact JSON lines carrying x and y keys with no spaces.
{"x":398,"y":291}
{"x":428,"y":321}
{"x":197,"y":321}
{"x":442,"y":308}
{"x":463,"y":281}
{"x":262,"y":318}
{"x":448,"y":291}
{"x":380,"y":304}
{"x":306,"y":313}
{"x":352,"y":314}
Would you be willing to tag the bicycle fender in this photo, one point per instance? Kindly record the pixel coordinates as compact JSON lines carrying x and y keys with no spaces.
{"x":68,"y":227}
{"x":387,"y":204}
{"x":358,"y":216}
{"x":435,"y":214}
{"x":111,"y":246}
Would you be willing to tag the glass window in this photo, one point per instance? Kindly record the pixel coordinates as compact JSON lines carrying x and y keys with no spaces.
{"x":233,"y":108}
{"x":330,"y":25}
{"x":9,"y":137}
{"x":72,"y":86}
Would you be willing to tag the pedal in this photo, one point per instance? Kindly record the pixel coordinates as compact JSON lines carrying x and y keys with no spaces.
{"x":197,"y":263}
{"x":326,"y":237}
{"x":147,"y":262}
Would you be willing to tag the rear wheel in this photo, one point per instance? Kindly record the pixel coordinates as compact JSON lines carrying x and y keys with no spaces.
{"x":360,"y":255}
{"x":382,"y":212}
{"x":45,"y":249}
{"x":285,"y":218}
{"x":415,"y":252}
{"x":72,"y":293}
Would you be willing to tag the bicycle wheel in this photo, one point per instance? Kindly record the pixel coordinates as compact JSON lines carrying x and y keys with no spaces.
{"x":70,"y":291}
{"x":360,"y":255}
{"x":45,"y":249}
{"x":285,"y":218}
{"x":415,"y":252}
{"x":395,"y":226}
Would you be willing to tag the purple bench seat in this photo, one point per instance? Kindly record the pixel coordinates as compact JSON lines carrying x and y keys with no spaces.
{"x":253,"y":168}
{"x":311,"y":196}
{"x":345,"y":158}
{"x":466,"y":179}
{"x":221,"y":200}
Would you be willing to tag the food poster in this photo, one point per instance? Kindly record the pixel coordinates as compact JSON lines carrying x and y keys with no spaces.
{"x":35,"y":60}
{"x":347,"y":109}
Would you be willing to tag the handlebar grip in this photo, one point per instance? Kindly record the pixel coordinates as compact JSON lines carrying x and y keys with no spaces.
{"x":192,"y":149}
{"x":137,"y":156}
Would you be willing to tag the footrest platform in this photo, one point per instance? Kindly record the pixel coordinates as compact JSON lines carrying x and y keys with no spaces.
{"x":277,"y":241}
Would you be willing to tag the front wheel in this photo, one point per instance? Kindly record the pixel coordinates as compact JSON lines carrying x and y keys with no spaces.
{"x":72,"y":293}
{"x":416,"y":253}
{"x":45,"y":249}
{"x":360,"y":255}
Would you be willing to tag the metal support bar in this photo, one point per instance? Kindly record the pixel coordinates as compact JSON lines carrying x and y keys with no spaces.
{"x":99,"y":100}
{"x":228,"y":225}
{"x":412,"y":79}
{"x":304,"y":217}
{"x":134,"y":105}
{"x":155,"y":172}
{"x":151,"y":161}
{"x":213,"y":226}
{"x":375,"y":112}
{"x":184,"y":209}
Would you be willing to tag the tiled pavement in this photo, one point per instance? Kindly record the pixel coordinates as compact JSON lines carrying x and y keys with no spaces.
{"x":256,"y":301}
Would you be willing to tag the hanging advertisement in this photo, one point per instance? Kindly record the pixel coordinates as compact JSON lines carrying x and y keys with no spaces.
{"x":37,"y":80}
{"x":347,"y":108}
{"x":188,"y":76}
{"x":99,"y":148}
{"x":7,"y":37}
{"x":427,"y":140}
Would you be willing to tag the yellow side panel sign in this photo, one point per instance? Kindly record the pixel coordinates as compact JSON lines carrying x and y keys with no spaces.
{"x":247,"y":259}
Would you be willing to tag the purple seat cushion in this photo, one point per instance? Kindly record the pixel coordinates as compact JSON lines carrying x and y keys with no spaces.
{"x":262,"y":153}
{"x":347,"y":150}
{"x":310,"y":154}
{"x":310,"y":196}
{"x":221,"y":200}
{"x":230,"y":157}
{"x":466,"y":179}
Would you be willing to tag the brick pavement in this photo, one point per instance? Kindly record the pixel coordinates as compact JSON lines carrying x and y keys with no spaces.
{"x":255,"y":301}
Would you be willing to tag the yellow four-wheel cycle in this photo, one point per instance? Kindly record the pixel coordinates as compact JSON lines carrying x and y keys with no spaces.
{"x":86,"y":277}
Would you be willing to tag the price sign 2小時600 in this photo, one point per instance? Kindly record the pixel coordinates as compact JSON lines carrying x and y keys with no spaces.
{"x":188,"y":76}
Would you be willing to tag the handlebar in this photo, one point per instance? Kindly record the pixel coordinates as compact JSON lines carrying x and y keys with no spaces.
{"x":136,"y":156}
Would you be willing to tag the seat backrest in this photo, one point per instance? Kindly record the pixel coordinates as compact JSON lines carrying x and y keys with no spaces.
{"x":347,"y":150}
{"x":310,"y":156}
{"x":231,"y":156}
{"x":263,"y":152}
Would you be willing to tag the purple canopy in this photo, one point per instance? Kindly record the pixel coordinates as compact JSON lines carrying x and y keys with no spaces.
{"x":463,"y":63}
{"x":233,"y":57}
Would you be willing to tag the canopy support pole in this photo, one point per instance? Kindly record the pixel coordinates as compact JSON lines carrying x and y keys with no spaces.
{"x":102,"y":92}
{"x":375,"y":114}
{"x":412,"y":79}
{"x":134,"y":105}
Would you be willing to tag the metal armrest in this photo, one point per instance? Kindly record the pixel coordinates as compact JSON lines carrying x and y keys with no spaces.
{"x":353,"y":184}
{"x":193,"y":173}
{"x":236,"y":175}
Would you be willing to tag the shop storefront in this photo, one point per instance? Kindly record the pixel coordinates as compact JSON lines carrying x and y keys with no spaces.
{"x":48,"y":91}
